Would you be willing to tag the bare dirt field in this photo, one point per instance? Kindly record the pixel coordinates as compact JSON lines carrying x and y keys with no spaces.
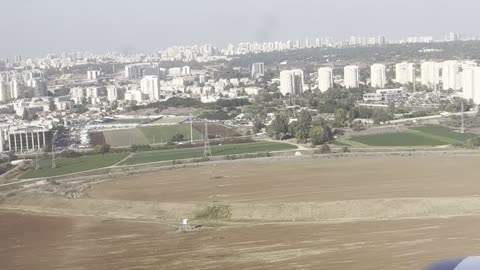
{"x":346,"y":213}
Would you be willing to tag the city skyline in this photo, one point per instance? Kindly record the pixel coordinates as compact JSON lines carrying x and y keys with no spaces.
{"x":35,"y":29}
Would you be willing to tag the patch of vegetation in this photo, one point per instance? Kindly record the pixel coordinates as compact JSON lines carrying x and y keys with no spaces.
{"x":214,"y":212}
{"x":397,"y":139}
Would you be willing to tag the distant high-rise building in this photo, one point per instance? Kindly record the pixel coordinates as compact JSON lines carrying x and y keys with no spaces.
{"x":93,"y":74}
{"x":451,"y":77}
{"x":113,"y":93}
{"x":18,"y":59}
{"x":378,"y":76}
{"x":404,"y":73}
{"x":4,"y":90}
{"x":186,"y":71}
{"x":351,"y":77}
{"x":16,"y":89}
{"x":325,"y":78}
{"x":258,"y":70}
{"x":150,"y":85}
{"x":291,"y":82}
{"x":431,"y":74}
{"x":471,"y":84}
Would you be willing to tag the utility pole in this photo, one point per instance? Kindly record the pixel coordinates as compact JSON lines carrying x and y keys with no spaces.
{"x":191,"y":129}
{"x":463,"y":123}
{"x":207,"y":151}
{"x":53,"y":151}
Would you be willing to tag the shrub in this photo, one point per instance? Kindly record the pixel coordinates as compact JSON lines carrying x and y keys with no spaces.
{"x":324,"y":149}
{"x":345,"y":150}
{"x":214,"y":212}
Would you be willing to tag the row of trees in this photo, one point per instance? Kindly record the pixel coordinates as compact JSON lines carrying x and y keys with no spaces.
{"x":305,"y":129}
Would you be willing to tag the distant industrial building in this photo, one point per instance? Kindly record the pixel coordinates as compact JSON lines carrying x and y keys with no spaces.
{"x":291,"y":82}
{"x":351,"y":77}
{"x":385,"y":95}
{"x":325,"y":78}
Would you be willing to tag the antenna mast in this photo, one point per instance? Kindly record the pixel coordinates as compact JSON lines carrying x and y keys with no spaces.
{"x":206,"y":147}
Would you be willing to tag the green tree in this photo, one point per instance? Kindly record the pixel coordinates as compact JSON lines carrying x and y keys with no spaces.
{"x":303,"y":127}
{"x":51,"y":105}
{"x":257,"y":125}
{"x":319,"y":135}
{"x":102,"y":149}
{"x":278,"y":129}
{"x":177,"y":137}
{"x":25,"y":114}
{"x":340,"y":117}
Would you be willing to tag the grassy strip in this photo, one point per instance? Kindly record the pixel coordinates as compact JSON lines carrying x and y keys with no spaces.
{"x":73,"y":165}
{"x":230,"y":149}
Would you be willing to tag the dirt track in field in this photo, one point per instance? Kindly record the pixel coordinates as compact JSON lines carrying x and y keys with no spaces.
{"x":349,"y":213}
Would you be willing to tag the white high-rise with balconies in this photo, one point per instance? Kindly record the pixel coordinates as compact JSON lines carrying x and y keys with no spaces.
{"x":112,"y":93}
{"x":150,"y":85}
{"x":431,"y":74}
{"x":471,"y":84}
{"x":451,"y":77}
{"x":378,"y":76}
{"x":325,"y":78}
{"x":291,"y":82}
{"x":351,"y":78}
{"x":258,"y":70}
{"x":404,"y":73}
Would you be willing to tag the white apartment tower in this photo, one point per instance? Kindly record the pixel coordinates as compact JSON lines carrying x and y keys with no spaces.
{"x":351,"y":77}
{"x":150,"y":85}
{"x":112,"y":93}
{"x":258,"y":70}
{"x":291,"y":82}
{"x":471,"y":84}
{"x":4,"y":91}
{"x":325,"y":78}
{"x":378,"y":76}
{"x":451,"y":77}
{"x":430,"y":73}
{"x":404,"y":73}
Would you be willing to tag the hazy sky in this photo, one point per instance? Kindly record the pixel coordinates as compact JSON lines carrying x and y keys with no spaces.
{"x":36,"y":27}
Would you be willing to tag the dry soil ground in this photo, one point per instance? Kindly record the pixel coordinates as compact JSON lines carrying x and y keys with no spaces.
{"x":363,"y":213}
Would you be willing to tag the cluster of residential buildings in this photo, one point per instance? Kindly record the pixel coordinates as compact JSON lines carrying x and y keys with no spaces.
{"x":22,"y":84}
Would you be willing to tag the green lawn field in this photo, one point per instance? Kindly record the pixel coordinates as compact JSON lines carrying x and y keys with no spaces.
{"x":158,"y":134}
{"x":229,"y":149}
{"x":429,"y":135}
{"x":74,"y":165}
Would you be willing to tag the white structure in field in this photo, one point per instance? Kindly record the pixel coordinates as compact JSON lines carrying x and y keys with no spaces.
{"x":471,"y":84}
{"x":150,"y":85}
{"x":451,"y":77}
{"x":351,"y":77}
{"x":258,"y":70}
{"x":291,"y":82}
{"x":431,"y":74}
{"x":325,"y":78}
{"x":404,"y":73}
{"x":377,"y":76}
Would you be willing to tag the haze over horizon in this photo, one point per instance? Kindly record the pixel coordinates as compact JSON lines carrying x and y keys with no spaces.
{"x":33,"y":28}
